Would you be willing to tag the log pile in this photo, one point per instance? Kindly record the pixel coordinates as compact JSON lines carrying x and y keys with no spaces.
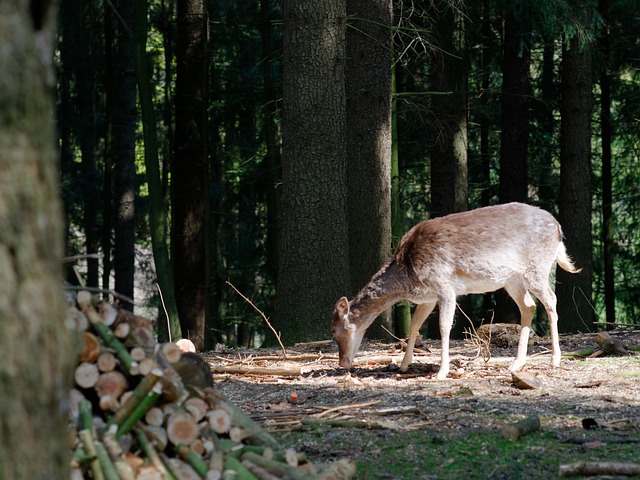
{"x":143,"y":410}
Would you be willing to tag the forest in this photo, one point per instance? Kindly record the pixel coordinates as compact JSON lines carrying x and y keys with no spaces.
{"x":222,"y":159}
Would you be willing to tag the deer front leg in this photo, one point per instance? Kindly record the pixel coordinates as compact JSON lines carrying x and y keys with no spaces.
{"x":447,"y":311}
{"x":420,"y":314}
{"x":527,"y":308}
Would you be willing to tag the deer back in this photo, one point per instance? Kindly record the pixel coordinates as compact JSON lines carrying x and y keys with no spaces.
{"x":481,"y":248}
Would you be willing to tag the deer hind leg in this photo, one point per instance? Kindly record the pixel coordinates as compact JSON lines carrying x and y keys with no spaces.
{"x":527,"y":306}
{"x":548,"y":298}
{"x":420,"y":314}
{"x":447,"y":312}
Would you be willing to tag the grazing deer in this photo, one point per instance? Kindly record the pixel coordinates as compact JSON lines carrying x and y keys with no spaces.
{"x":513,"y":246}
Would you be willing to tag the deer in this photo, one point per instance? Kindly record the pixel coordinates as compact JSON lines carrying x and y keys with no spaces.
{"x":512,"y":246}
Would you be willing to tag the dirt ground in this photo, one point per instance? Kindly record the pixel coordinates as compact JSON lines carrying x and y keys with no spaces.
{"x":284,"y":395}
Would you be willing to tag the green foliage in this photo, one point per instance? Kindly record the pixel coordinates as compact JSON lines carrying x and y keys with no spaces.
{"x":240,"y":110}
{"x":446,"y":454}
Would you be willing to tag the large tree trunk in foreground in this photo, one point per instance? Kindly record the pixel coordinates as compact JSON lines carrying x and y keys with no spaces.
{"x":37,"y":348}
{"x":314,"y":263}
{"x":368,"y":90}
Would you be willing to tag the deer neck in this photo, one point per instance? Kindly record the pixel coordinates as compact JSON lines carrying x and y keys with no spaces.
{"x":386,"y":288}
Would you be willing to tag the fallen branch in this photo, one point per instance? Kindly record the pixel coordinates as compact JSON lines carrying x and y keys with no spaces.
{"x":281,"y":371}
{"x":346,"y":407}
{"x":599,"y":468}
{"x":340,"y":423}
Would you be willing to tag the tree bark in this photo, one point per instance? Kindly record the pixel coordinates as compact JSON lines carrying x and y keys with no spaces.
{"x":402,"y":310}
{"x":272,"y":162}
{"x":33,"y":388}
{"x":168,"y":327}
{"x":449,"y":177}
{"x":575,"y":310}
{"x":122,"y":122}
{"x":448,"y":154}
{"x":606,"y":134}
{"x":314,"y":262}
{"x":189,"y":192}
{"x":547,"y":181}
{"x":514,"y":144}
{"x":516,"y":92}
{"x":368,"y":91}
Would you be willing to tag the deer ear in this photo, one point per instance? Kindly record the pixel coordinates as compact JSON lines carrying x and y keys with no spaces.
{"x":342,"y":307}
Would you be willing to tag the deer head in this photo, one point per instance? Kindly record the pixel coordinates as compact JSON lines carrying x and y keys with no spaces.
{"x":346,"y":332}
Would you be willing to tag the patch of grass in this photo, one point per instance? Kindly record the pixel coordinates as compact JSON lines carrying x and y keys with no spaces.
{"x":429,"y":454}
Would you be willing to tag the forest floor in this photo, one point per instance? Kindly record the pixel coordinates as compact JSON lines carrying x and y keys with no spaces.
{"x":410,"y":426}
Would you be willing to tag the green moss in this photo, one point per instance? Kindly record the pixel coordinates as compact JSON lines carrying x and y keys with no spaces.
{"x":426,"y":454}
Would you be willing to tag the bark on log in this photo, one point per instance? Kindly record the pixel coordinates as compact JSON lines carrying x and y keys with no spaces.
{"x":279,"y":371}
{"x":599,"y":468}
{"x":520,"y":428}
{"x":609,"y":345}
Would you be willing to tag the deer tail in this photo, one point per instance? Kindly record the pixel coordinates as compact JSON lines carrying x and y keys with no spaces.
{"x":564,"y":260}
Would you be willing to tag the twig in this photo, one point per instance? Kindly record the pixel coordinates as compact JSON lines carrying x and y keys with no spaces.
{"x":346,"y":407}
{"x":484,"y":345}
{"x":166,"y":314}
{"x":73,"y":258}
{"x":277,"y":334}
{"x":391,"y":334}
{"x":616,"y":324}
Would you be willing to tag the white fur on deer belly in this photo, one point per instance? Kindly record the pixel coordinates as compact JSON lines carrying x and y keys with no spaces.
{"x":465,"y":284}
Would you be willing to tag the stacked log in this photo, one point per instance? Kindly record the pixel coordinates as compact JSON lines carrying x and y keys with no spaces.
{"x":143,"y":410}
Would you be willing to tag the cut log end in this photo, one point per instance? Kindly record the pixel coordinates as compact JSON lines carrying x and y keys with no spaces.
{"x":182,"y":429}
{"x":521,"y":428}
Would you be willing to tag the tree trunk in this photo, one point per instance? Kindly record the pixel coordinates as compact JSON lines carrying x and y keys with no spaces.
{"x":449,"y":178}
{"x":37,"y":347}
{"x":189,"y":191}
{"x":402,"y":310}
{"x":486,"y":197}
{"x":575,"y":310}
{"x":86,"y":70}
{"x":607,"y":187}
{"x":167,"y":328}
{"x":78,"y":119}
{"x":272,"y":163}
{"x":368,"y":90}
{"x":122,"y":123}
{"x":516,"y":91}
{"x":314,"y":261}
{"x":547,"y":184}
